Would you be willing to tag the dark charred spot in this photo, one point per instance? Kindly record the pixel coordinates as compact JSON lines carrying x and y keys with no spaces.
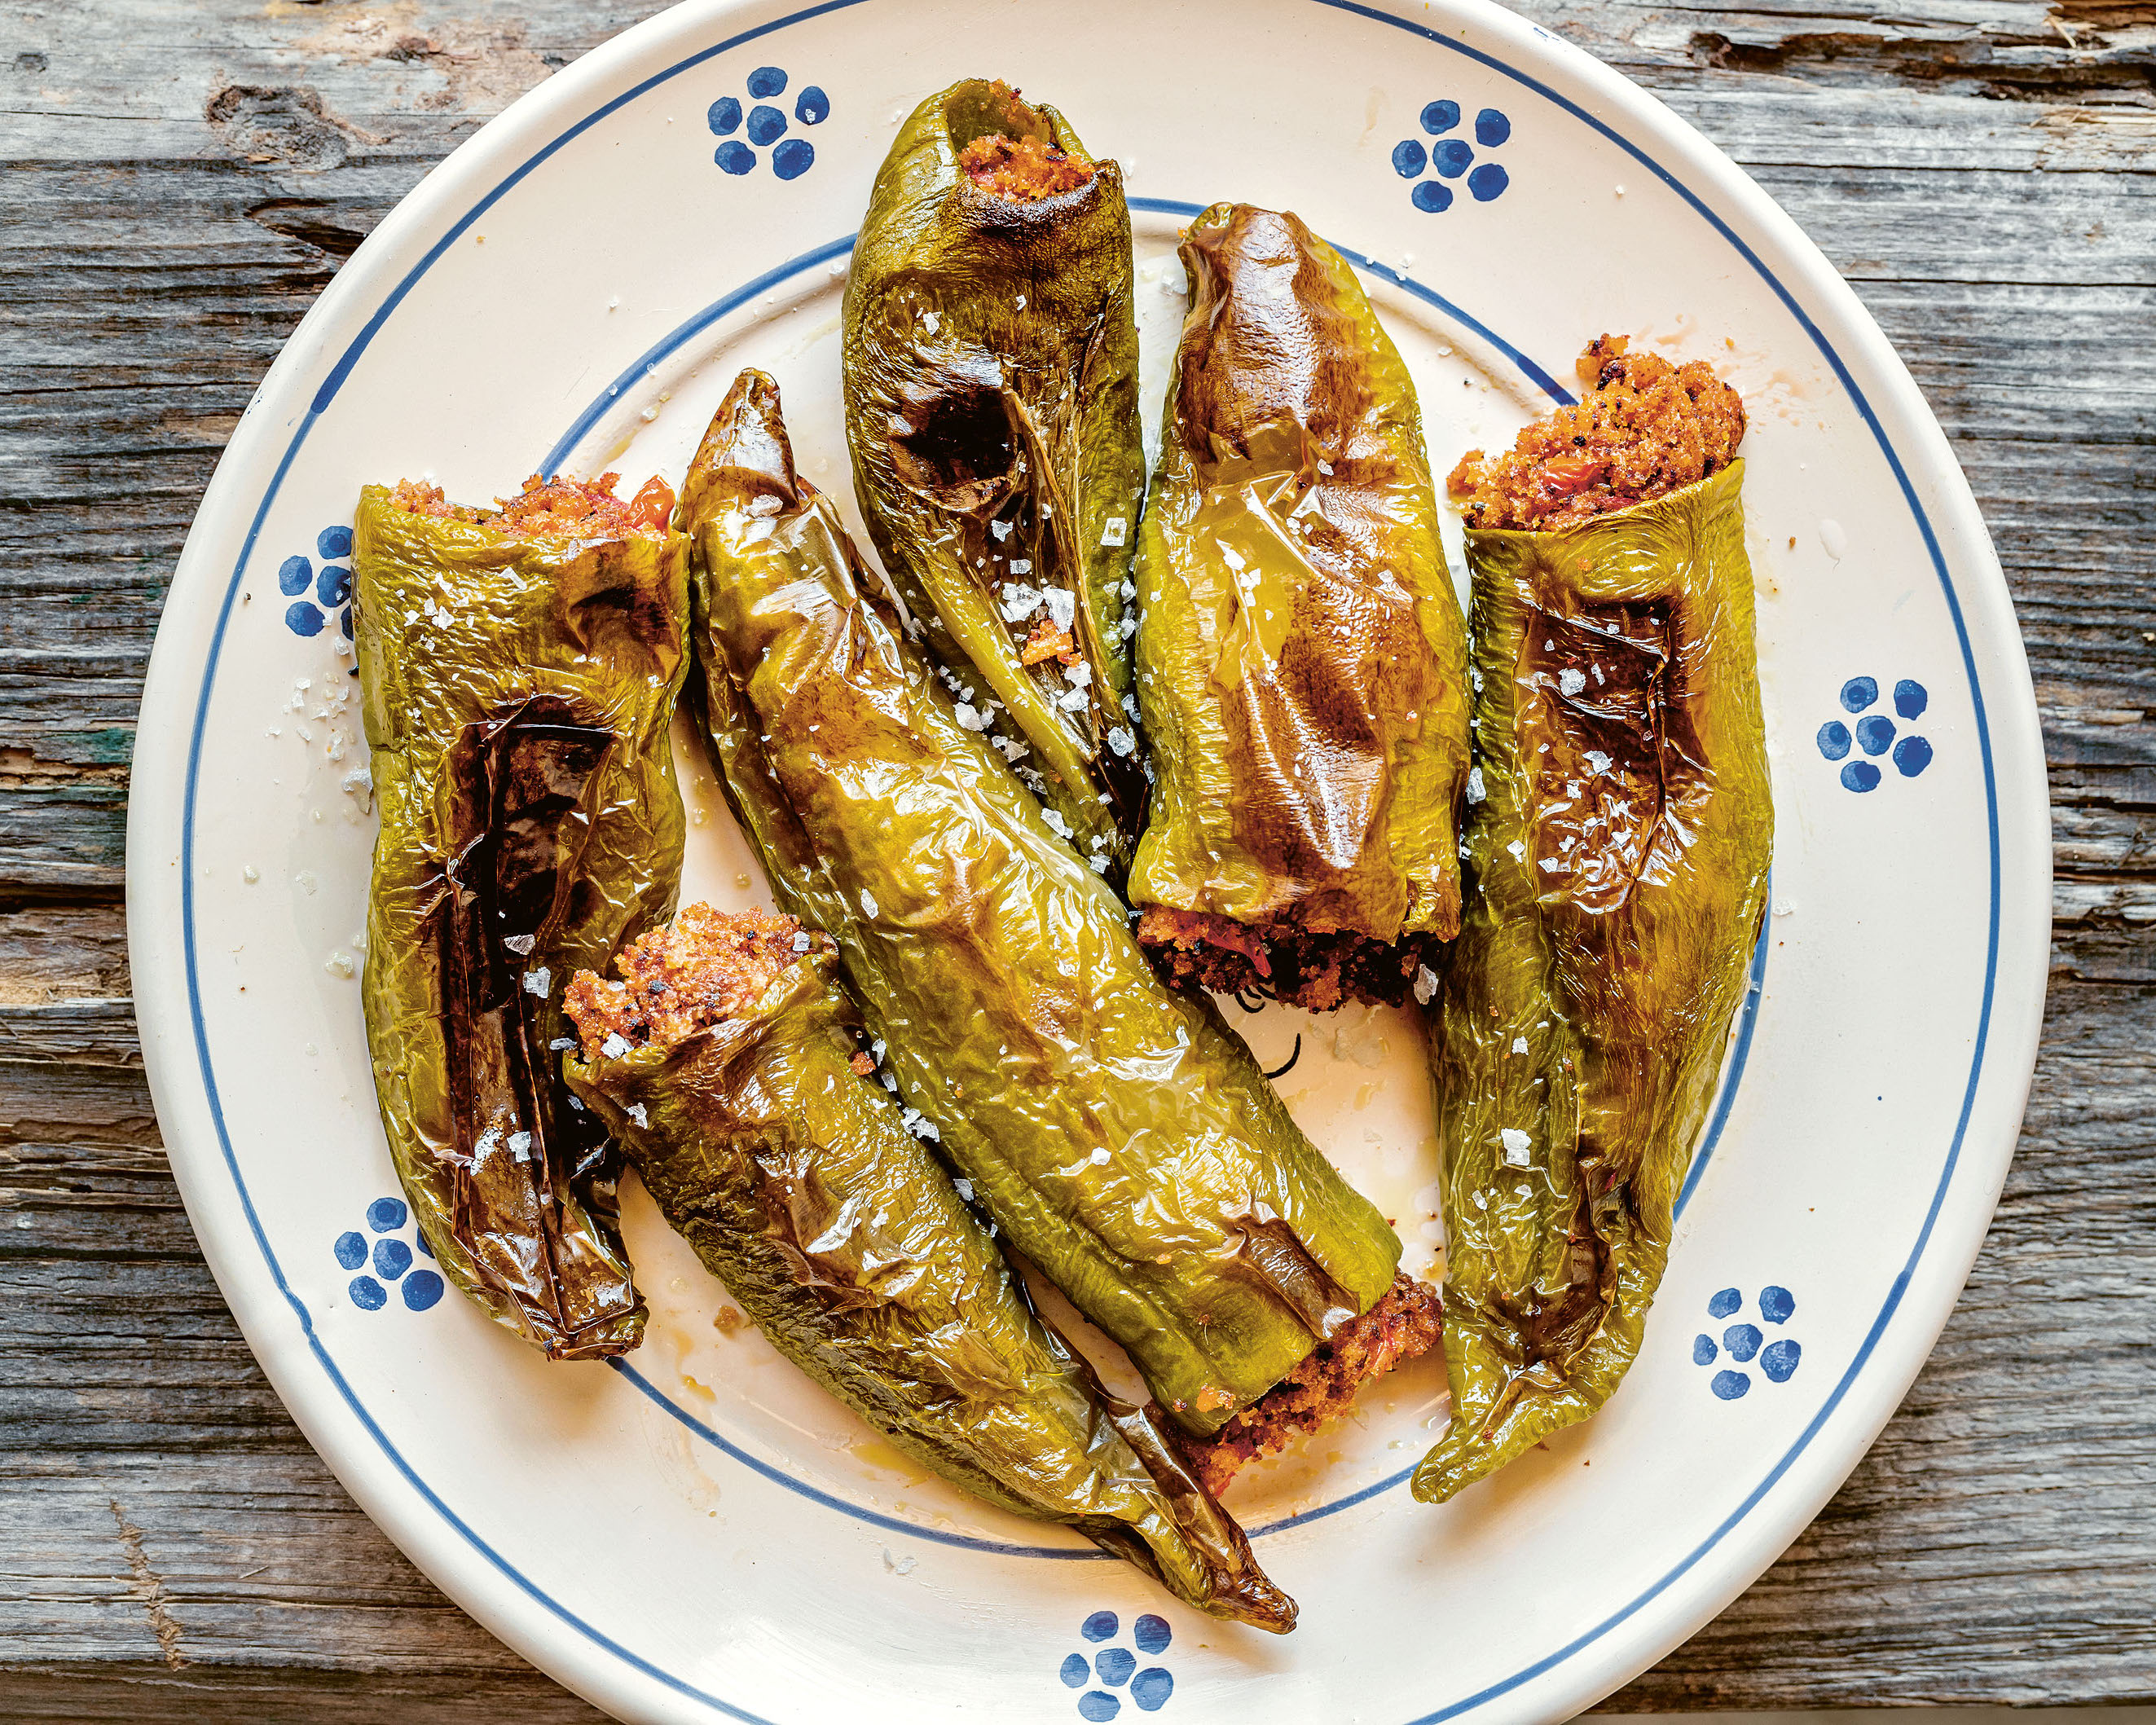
{"x":954,"y":440}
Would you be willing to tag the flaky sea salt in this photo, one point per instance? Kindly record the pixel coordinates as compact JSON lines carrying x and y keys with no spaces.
{"x":1019,"y":602}
{"x":1571,"y":682}
{"x":615,"y":1046}
{"x":1517,"y":1145}
{"x":1425,"y":984}
{"x":537,"y":982}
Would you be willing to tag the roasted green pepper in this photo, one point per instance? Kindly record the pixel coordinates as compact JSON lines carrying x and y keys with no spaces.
{"x":518,"y":670}
{"x":730,"y":1069}
{"x":991,"y":378}
{"x":1121,"y":1135}
{"x":1302,"y":667}
{"x":1618,"y":860}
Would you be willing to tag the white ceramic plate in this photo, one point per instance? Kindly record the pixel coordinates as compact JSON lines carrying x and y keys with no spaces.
{"x":697,"y":1534}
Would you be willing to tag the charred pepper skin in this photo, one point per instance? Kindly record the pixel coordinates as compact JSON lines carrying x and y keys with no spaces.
{"x":990,"y":361}
{"x":795,"y":1179}
{"x":1121,"y":1135}
{"x":1302,"y":660}
{"x":516,"y":692}
{"x":1618,"y":885}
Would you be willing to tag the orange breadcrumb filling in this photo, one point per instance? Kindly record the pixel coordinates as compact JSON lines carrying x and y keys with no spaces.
{"x":1045,"y":641}
{"x":1645,"y":428}
{"x":710,"y":966}
{"x":587,"y":508}
{"x":1022,"y":170}
{"x":1405,"y":1323}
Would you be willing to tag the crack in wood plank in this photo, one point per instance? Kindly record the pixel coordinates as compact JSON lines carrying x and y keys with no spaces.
{"x":150,"y":1588}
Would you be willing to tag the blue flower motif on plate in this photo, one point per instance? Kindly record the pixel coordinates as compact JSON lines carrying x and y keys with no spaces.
{"x":1747,"y":1344}
{"x":1113,"y":1674}
{"x":761,"y":123}
{"x":319,"y":586}
{"x":384,"y":1259}
{"x":1870,"y":734}
{"x":1451,"y":156}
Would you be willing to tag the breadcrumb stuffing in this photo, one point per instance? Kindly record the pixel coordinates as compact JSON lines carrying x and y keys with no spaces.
{"x":1644,"y":429}
{"x":585,"y":509}
{"x":1022,"y":170}
{"x":710,"y":966}
{"x":1045,"y":641}
{"x":1404,"y":1324}
{"x":1317,"y":969}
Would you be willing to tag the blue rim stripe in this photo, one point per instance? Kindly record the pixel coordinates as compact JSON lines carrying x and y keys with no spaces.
{"x":687,"y":331}
{"x":341,"y":370}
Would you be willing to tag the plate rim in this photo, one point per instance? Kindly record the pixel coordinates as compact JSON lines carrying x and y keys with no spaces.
{"x":598,"y":85}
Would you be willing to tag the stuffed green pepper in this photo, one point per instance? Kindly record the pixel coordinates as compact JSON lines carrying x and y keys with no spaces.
{"x":991,"y":381}
{"x":1121,"y":1135}
{"x":1302,"y":667}
{"x":1619,"y":835}
{"x":518,"y":667}
{"x":739,"y":1080}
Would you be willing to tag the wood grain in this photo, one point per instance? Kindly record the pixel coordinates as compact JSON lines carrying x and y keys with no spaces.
{"x":180,"y":182}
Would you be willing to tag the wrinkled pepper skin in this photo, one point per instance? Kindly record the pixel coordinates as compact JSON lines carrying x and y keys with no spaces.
{"x":1122,"y":1135}
{"x":1302,"y":662}
{"x":990,"y":359}
{"x":516,"y":696}
{"x":1617,"y":884}
{"x":795,"y":1179}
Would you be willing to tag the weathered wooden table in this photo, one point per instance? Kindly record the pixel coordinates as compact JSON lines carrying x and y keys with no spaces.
{"x":182,"y":178}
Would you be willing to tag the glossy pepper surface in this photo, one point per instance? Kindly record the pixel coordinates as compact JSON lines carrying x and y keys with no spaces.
{"x":1618,"y":863}
{"x":517,"y":684}
{"x":1302,"y":662}
{"x":1121,"y":1135}
{"x":791,"y":1173}
{"x":991,"y":381}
